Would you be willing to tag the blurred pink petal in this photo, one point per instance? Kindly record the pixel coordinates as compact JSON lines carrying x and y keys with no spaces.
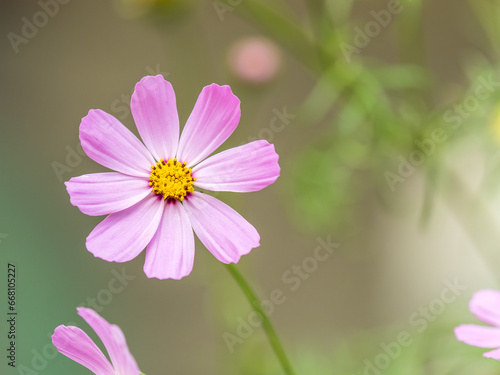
{"x":108,"y":142}
{"x":223,"y":231}
{"x":78,"y":346}
{"x":154,"y":109}
{"x":214,"y":117}
{"x":495,"y":354}
{"x":484,"y":337}
{"x":114,"y":341}
{"x":246,"y":168}
{"x":170,"y":254}
{"x":106,"y":193}
{"x":485,"y":305}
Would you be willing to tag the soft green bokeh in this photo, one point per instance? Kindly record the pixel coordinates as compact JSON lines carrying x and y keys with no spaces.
{"x":355,"y":118}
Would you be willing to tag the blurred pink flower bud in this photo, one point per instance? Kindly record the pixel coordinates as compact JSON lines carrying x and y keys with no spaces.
{"x":254,"y":60}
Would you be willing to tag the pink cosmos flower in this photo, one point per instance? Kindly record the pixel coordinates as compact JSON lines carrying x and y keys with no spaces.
{"x":78,"y":346}
{"x":150,"y":199}
{"x":485,"y":305}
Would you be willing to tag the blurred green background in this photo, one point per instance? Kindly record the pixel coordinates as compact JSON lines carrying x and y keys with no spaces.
{"x":391,"y":148}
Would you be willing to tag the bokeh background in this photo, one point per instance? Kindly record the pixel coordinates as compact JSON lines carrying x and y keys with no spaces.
{"x":386,"y":117}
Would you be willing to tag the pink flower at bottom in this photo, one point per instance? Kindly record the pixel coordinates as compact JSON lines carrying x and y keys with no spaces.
{"x":151,"y":199}
{"x":485,"y":305}
{"x":78,"y":346}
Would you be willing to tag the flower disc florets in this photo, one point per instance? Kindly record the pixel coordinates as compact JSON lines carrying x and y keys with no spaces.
{"x":171,"y":179}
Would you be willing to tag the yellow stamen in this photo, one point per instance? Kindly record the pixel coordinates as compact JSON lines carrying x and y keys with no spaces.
{"x":171,"y":179}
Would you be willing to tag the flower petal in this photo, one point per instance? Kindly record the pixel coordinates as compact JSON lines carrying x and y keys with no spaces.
{"x":108,"y":142}
{"x":105,"y":193}
{"x":123,"y":235}
{"x":114,"y":340}
{"x":484,"y":337}
{"x":495,"y":354}
{"x":170,"y":254}
{"x":246,"y":168}
{"x":485,"y":305}
{"x":78,"y":346}
{"x":223,"y":231}
{"x":215,"y":116}
{"x":154,"y":109}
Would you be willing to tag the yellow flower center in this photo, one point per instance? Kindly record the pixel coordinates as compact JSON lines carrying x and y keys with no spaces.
{"x":171,"y":179}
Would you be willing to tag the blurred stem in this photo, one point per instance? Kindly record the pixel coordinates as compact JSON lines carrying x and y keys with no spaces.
{"x":316,"y":8}
{"x":266,"y":322}
{"x":412,"y":47}
{"x":487,"y":15}
{"x":410,"y":33}
{"x":433,"y":174}
{"x":322,"y":29}
{"x":319,"y":55}
{"x":286,"y":31}
{"x":322,"y":55}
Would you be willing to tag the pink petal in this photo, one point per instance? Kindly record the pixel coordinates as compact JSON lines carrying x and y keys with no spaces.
{"x":113,"y":339}
{"x":495,"y":354}
{"x":108,"y":142}
{"x":154,"y":109}
{"x":250,"y":167}
{"x":223,"y":231}
{"x":214,"y":117}
{"x":123,"y":235}
{"x":485,"y":305}
{"x":170,"y":254}
{"x":484,"y":337}
{"x":77,"y":345}
{"x":105,"y":193}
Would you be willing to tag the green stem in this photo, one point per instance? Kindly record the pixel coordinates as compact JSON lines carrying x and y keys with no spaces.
{"x":266,"y":322}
